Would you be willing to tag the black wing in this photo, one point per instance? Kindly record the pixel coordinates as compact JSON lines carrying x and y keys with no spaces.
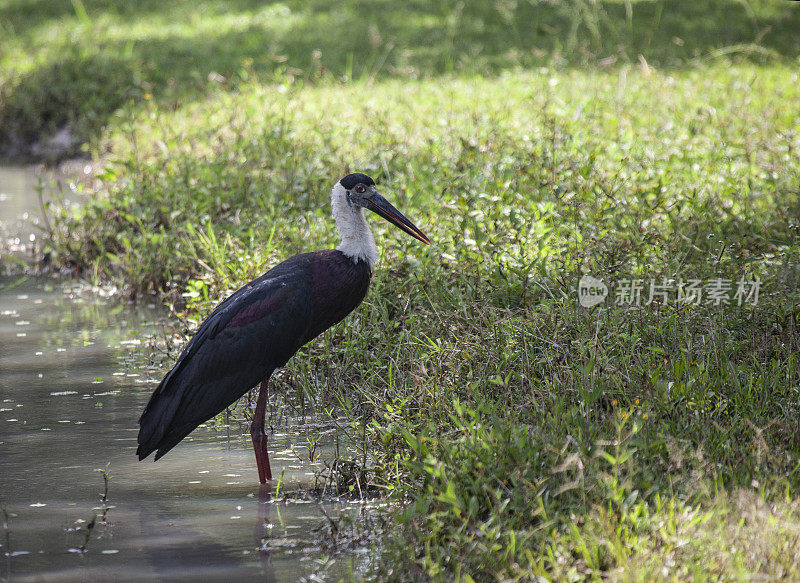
{"x":245,"y":338}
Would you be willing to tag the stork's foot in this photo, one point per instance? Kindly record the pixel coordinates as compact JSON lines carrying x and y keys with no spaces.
{"x":262,"y":455}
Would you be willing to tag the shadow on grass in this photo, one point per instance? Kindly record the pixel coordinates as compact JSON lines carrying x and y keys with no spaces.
{"x":176,"y":53}
{"x":75,"y":95}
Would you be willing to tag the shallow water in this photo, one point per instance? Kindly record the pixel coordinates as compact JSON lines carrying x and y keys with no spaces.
{"x":20,"y":215}
{"x":74,"y":376}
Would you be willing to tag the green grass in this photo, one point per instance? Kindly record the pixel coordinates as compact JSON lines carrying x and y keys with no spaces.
{"x":516,"y":433}
{"x":74,"y":64}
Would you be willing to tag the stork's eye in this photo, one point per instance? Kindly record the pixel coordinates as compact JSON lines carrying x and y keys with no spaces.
{"x":360,"y":189}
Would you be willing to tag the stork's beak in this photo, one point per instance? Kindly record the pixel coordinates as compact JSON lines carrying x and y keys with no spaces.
{"x":380,"y":206}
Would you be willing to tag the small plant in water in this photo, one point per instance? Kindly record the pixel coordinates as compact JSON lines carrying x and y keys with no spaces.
{"x":101,"y":516}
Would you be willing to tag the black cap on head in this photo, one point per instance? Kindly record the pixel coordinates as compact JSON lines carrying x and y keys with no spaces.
{"x":350,"y":181}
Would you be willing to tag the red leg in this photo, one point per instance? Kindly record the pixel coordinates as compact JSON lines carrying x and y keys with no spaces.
{"x":260,"y":436}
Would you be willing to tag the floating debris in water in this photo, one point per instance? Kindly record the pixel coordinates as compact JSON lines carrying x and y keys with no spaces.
{"x":37,"y":505}
{"x":63,"y":393}
{"x":109,"y":552}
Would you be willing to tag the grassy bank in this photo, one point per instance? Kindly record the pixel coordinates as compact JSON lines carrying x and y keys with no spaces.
{"x":519,"y":433}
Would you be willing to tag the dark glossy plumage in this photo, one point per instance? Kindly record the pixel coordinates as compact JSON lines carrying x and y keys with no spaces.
{"x":246,"y":337}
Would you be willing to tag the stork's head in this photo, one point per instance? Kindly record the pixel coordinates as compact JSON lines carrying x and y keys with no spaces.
{"x":349,"y":197}
{"x":358,"y":190}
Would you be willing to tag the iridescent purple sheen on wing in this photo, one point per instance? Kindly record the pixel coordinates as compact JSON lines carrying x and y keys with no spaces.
{"x":257,"y":310}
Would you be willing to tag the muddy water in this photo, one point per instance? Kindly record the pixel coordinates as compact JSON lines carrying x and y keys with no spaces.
{"x":74,"y":376}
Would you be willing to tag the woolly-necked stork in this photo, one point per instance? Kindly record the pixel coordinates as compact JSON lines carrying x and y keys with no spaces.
{"x":261,"y":326}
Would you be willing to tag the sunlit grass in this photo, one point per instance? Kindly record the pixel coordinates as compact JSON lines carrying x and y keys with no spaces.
{"x":74,"y":64}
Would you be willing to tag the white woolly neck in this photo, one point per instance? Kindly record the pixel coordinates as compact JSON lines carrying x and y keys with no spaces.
{"x":357,"y":241}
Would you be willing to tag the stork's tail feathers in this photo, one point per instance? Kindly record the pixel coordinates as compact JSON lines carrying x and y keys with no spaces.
{"x":143,"y":451}
{"x":156,"y":431}
{"x":166,"y":443}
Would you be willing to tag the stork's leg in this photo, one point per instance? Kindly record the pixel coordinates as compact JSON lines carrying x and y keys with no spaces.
{"x":260,"y":436}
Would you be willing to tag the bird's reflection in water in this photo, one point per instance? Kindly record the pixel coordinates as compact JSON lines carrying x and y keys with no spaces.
{"x":262,"y":532}
{"x":180,"y":548}
{"x":183,"y":542}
